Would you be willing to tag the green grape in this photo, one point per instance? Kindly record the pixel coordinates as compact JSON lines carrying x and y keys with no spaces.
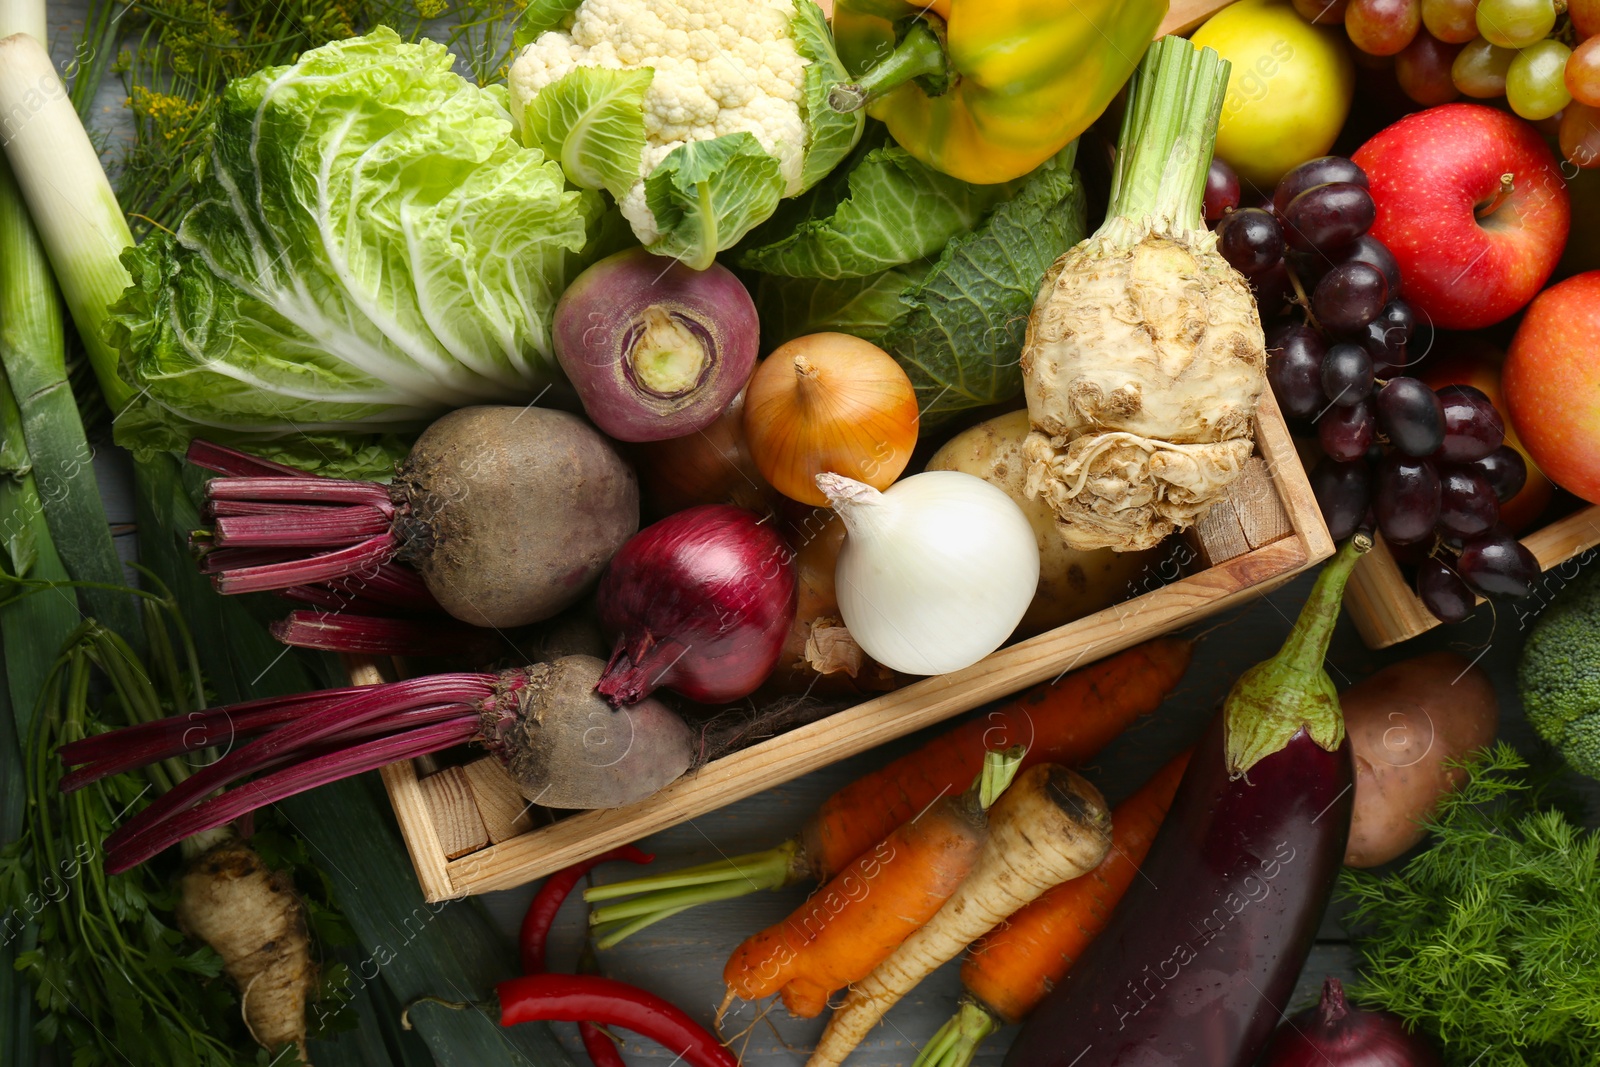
{"x":1452,"y":21}
{"x":1515,"y":23}
{"x":1536,"y":85}
{"x":1480,"y":69}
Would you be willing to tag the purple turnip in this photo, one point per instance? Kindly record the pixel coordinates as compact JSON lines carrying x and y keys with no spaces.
{"x":508,"y":513}
{"x":655,"y":350}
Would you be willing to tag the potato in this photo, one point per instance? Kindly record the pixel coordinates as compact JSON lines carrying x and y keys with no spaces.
{"x":1405,"y":723}
{"x":1072,"y":584}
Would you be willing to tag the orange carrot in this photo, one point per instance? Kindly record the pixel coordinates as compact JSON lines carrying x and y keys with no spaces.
{"x":1008,"y":971}
{"x":1065,"y":721}
{"x":862,"y":915}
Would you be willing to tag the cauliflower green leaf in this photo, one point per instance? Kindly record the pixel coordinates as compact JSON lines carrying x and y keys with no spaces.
{"x":706,"y":195}
{"x":371,"y":247}
{"x":833,"y":135}
{"x":592,"y":121}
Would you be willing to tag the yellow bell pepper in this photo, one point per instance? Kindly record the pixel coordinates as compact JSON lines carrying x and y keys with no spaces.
{"x":986,"y":90}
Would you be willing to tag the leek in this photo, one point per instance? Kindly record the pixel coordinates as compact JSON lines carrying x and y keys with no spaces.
{"x":75,"y":211}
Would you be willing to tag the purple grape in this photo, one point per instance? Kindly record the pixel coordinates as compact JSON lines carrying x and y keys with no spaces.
{"x":1347,"y":374}
{"x":1399,"y":321}
{"x":1222,"y":190}
{"x":1411,"y":416}
{"x":1506,"y":470}
{"x":1326,"y":218}
{"x":1349,"y":297}
{"x":1443,"y":592}
{"x":1407,"y":495}
{"x":1343,"y":492}
{"x":1497,"y":564}
{"x":1272,"y":289}
{"x":1250,"y":240}
{"x":1320,"y":171}
{"x":1387,"y":356}
{"x":1472,"y":426}
{"x":1294,"y":370}
{"x":1467,"y":504}
{"x":1373,"y":252}
{"x":1346,"y":433}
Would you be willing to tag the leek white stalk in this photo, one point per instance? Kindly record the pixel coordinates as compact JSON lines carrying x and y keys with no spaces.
{"x":24,"y":16}
{"x":935,"y":572}
{"x":73,"y":208}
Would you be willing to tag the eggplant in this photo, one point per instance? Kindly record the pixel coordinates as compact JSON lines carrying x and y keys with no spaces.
{"x":1198,"y":963}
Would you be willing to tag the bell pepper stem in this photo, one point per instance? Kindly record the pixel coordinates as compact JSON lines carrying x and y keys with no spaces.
{"x":920,"y":54}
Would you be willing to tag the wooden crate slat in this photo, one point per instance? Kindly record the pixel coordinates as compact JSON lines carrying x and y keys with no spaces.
{"x":454,"y":811}
{"x":1386,"y":610}
{"x":506,"y":813}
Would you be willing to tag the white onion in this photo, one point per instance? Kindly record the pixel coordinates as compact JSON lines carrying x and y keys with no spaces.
{"x":935,"y":572}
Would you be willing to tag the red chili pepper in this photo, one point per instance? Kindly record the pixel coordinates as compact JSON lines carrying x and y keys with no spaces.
{"x":547,"y":901}
{"x":580,"y":998}
{"x":601,"y":1049}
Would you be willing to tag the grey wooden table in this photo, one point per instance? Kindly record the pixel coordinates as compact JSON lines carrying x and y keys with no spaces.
{"x":682,"y":958}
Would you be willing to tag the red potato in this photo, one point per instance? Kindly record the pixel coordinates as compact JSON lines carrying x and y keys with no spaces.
{"x":1405,"y":723}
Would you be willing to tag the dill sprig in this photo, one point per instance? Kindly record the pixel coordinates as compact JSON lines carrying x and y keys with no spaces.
{"x":1490,"y":939}
{"x":175,"y":58}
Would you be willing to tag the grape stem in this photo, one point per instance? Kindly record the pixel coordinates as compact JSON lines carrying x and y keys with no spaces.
{"x":1300,"y":296}
{"x":1508,"y":186}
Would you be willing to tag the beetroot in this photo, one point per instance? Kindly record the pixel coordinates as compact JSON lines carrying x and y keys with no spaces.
{"x":508,"y":513}
{"x":563,"y":745}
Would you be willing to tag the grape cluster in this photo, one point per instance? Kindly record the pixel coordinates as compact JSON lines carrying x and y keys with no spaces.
{"x":1425,"y":467}
{"x":1543,"y":56}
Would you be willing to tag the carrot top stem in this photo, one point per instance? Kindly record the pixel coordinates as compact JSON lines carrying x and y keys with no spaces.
{"x":958,"y":1039}
{"x":659,"y":896}
{"x":1000,"y":767}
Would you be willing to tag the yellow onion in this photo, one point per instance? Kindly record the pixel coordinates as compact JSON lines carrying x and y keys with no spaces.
{"x":829,"y":403}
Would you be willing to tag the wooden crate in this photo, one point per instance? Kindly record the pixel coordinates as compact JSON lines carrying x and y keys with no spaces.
{"x":1385,"y":609}
{"x":469,"y":831}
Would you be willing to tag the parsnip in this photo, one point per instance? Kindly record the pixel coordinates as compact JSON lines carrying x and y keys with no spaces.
{"x":1051,"y":825}
{"x":1145,"y":356}
{"x":250,"y":917}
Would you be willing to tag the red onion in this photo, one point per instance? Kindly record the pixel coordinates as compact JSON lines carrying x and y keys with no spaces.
{"x":1333,"y":1034}
{"x":701,"y":602}
{"x":655,"y":349}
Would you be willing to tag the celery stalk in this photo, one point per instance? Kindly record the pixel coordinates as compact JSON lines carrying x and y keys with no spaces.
{"x":67,"y":193}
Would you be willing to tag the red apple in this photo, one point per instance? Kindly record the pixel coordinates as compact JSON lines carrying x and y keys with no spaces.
{"x":1469,"y":256}
{"x":1466,"y":359}
{"x":1552,"y":383}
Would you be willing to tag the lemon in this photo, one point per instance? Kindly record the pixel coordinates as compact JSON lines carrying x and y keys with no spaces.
{"x":1289,"y":90}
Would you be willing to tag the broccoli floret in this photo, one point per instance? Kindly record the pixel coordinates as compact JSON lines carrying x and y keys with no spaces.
{"x":1560,"y":674}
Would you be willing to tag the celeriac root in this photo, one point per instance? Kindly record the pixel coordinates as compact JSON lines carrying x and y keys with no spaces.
{"x":250,"y":917}
{"x":1051,"y":825}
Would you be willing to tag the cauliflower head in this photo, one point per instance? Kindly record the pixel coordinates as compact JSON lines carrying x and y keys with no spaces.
{"x":698,"y":116}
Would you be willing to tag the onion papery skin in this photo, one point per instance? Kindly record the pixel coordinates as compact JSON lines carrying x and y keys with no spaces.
{"x":1333,"y":1034}
{"x":936,"y":572}
{"x":829,"y":403}
{"x":701,"y":603}
{"x":655,"y":350}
